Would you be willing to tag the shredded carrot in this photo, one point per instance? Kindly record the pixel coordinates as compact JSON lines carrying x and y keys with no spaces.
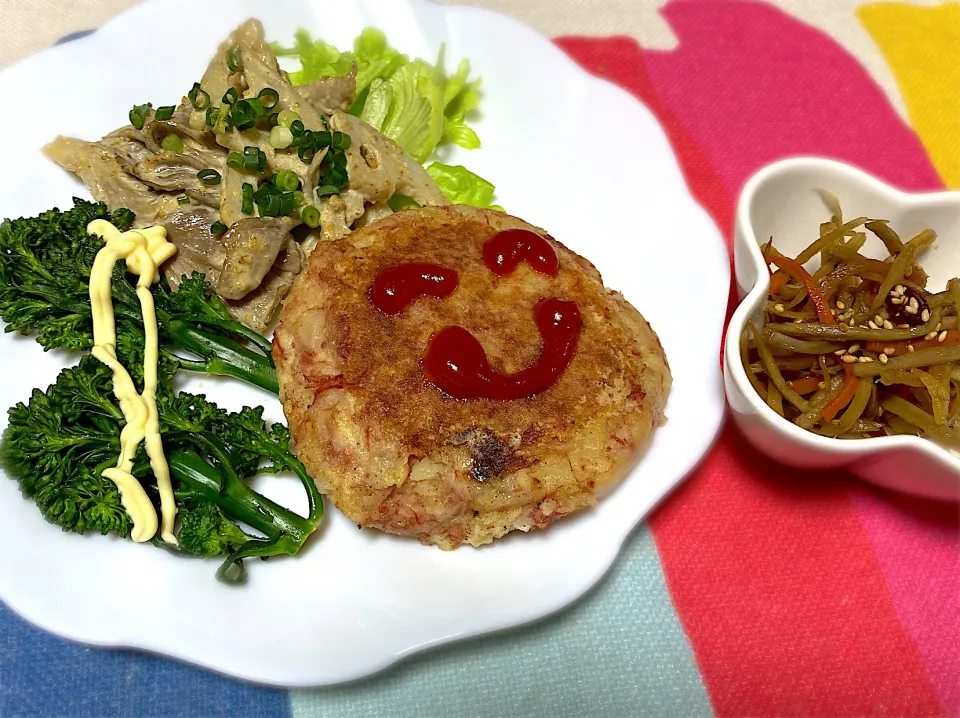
{"x":953,"y":337}
{"x":796,"y":270}
{"x":806,"y":384}
{"x":778,"y":281}
{"x":840,"y":401}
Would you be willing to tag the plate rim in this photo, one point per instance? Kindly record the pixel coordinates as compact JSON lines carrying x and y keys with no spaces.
{"x":601,"y":567}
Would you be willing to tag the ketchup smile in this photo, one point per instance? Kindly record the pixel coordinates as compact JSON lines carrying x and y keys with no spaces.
{"x":456,"y":363}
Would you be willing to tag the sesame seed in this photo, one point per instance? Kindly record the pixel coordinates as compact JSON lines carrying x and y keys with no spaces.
{"x":931,"y":336}
{"x":840,"y":352}
{"x":910,"y":309}
{"x":900,"y":289}
{"x":863,"y":326}
{"x":872,"y":325}
{"x":914,"y":303}
{"x":939,"y":326}
{"x":896,"y":300}
{"x":841,"y":305}
{"x":835,"y":422}
{"x":847,"y":359}
{"x":865,"y":360}
{"x":887,"y":324}
{"x":854,"y":348}
{"x":797,"y":321}
{"x":889,"y":350}
{"x":844,"y":325}
{"x":778,"y":307}
{"x":903,"y":326}
{"x":943,"y":336}
{"x":878,"y":319}
{"x":820,"y":385}
{"x":925,"y":315}
{"x":883,"y":359}
{"x":910,"y":348}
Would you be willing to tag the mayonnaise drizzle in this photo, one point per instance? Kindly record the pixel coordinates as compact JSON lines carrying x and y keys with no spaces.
{"x":144,"y":250}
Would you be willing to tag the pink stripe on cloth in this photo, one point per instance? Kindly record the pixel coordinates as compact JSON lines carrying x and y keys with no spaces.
{"x":753,"y":85}
{"x":917,"y":545}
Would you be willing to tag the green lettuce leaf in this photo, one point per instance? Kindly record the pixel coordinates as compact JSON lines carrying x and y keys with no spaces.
{"x":317,"y":58}
{"x":461,"y":186}
{"x":411,"y":101}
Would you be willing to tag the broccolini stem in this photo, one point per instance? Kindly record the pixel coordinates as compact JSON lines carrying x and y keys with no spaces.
{"x":243,"y":331}
{"x":222,"y":356}
{"x":238,"y":501}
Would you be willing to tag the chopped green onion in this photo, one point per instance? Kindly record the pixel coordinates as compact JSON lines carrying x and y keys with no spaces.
{"x":209,"y":176}
{"x":254,"y":159}
{"x":280,"y":137}
{"x":230,"y":96}
{"x":165,"y":112}
{"x":287,"y":180}
{"x":234,"y":58}
{"x":199,"y":98}
{"x":138,"y":115}
{"x":183,"y":199}
{"x":288,"y":117}
{"x":218,"y":227}
{"x":213,"y":114}
{"x":272,"y":202}
{"x":246,"y":204}
{"x":335,"y":177}
{"x":306,"y":153}
{"x":235,"y":161}
{"x":244,"y":114}
{"x":339,"y":161}
{"x":172,"y":143}
{"x":340,"y":141}
{"x":323,"y":138}
{"x":273,"y":120}
{"x":258,"y":109}
{"x":296,"y":128}
{"x":299,"y":198}
{"x":268,"y":97}
{"x":310,"y":216}
{"x":325,"y":190}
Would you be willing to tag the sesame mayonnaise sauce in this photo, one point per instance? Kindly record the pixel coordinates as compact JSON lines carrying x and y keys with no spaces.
{"x":143,"y":250}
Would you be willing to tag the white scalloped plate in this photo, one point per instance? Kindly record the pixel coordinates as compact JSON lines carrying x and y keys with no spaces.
{"x":568,"y":152}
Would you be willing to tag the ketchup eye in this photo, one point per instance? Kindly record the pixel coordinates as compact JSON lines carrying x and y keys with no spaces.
{"x":398,"y":287}
{"x":505,"y":250}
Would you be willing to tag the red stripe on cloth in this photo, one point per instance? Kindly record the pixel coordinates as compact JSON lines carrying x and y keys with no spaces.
{"x":779,"y":591}
{"x":918,"y":548}
{"x":774,"y":579}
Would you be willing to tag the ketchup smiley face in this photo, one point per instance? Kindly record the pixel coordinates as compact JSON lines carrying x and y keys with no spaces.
{"x":455,"y":361}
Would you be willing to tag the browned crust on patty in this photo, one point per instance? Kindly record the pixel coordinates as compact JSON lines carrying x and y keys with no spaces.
{"x":392,"y":452}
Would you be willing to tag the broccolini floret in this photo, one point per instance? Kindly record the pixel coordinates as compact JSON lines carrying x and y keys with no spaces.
{"x":45,"y":266}
{"x":57,"y":444}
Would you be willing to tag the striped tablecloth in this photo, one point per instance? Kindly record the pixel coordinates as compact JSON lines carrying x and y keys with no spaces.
{"x":756,"y":590}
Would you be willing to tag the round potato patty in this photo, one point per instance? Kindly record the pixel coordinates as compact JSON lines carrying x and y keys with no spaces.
{"x":395,"y":453}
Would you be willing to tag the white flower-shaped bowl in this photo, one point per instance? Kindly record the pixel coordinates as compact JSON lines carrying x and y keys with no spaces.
{"x":782,"y":202}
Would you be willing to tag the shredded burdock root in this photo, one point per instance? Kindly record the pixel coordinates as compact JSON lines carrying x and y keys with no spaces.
{"x":859,"y":347}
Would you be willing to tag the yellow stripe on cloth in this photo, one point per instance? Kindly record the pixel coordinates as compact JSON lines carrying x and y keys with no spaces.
{"x":922,"y":47}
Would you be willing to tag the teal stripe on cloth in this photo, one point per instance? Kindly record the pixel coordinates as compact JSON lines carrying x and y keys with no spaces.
{"x":620,"y":651}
